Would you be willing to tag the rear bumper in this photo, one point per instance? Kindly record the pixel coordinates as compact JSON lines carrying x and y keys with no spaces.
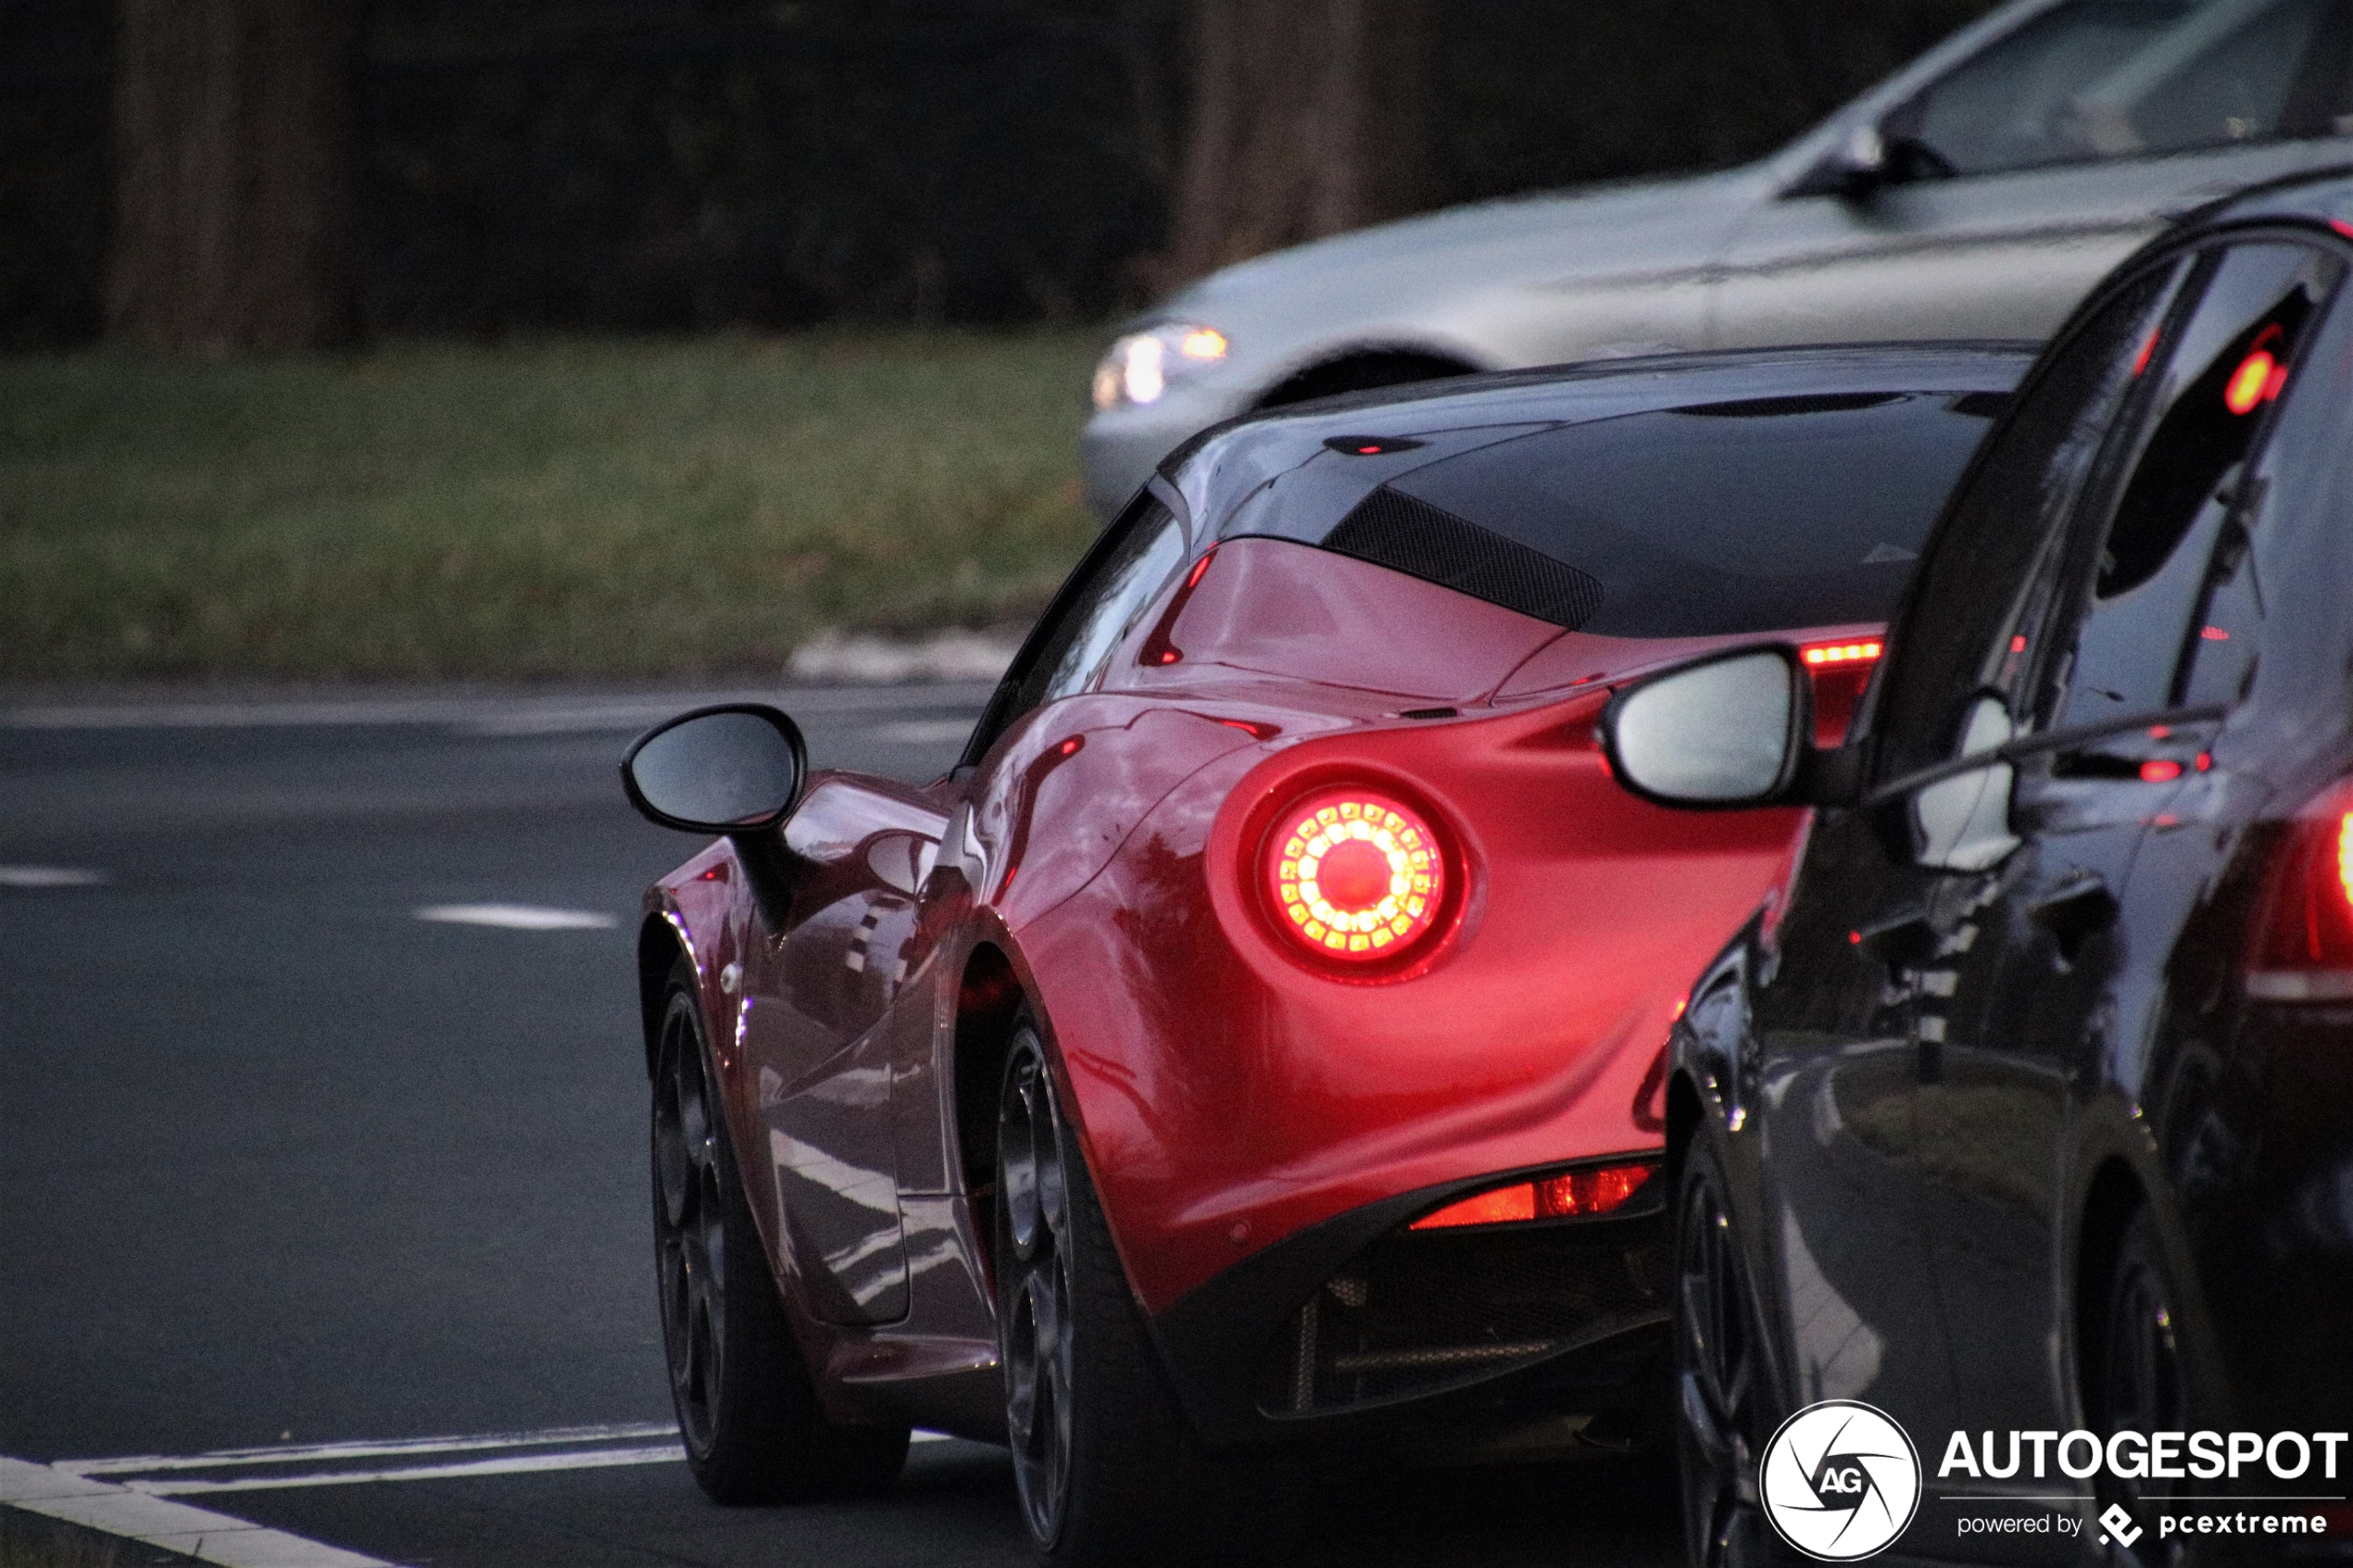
{"x":1358,"y":1331}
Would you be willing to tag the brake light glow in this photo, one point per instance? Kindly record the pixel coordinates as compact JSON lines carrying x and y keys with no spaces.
{"x":2304,"y":948}
{"x":2252,"y":383}
{"x":1571,"y":1194}
{"x":1840,"y":671}
{"x":1862,"y":652}
{"x":1354,"y":876}
{"x":2260,"y":376}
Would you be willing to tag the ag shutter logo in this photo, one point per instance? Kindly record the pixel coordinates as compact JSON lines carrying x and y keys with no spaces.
{"x":1841,"y":1481}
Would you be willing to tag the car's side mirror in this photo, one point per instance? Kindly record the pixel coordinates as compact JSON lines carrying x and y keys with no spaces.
{"x":735,"y":768}
{"x":1729,"y":731}
{"x":1854,"y":170}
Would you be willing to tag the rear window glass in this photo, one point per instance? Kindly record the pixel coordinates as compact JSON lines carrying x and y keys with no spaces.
{"x":1716,"y":519}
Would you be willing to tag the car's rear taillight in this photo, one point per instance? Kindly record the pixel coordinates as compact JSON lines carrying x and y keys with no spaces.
{"x":2303,"y":949}
{"x":1841,"y":670}
{"x":1356,"y":876}
{"x":1571,"y":1194}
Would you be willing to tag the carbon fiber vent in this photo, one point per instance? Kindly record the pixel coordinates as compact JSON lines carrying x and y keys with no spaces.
{"x":1394,"y":530}
{"x":1420,"y":1311}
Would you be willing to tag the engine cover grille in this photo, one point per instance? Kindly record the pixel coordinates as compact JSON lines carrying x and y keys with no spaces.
{"x":1392,"y":529}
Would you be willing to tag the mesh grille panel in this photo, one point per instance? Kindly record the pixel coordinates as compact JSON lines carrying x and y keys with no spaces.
{"x":1418,"y":1311}
{"x":1396,"y":531}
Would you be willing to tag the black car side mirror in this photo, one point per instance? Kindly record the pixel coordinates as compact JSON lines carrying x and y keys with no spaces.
{"x":735,"y":768}
{"x":1730,"y":732}
{"x":1852,"y":171}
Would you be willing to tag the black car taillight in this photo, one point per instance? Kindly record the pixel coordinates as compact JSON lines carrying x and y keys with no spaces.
{"x":2303,"y":949}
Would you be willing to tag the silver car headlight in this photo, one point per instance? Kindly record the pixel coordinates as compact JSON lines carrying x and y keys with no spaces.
{"x":1138,"y":368}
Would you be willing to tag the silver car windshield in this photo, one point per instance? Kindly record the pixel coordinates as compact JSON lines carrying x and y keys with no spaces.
{"x":2107,"y":79}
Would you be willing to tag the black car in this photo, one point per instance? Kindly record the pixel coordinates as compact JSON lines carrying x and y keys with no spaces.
{"x":2022,"y":1109}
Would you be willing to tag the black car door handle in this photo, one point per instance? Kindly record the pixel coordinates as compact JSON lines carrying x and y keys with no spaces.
{"x":2074,"y":910}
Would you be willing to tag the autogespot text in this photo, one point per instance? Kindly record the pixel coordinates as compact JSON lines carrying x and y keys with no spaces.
{"x":2137,"y":1456}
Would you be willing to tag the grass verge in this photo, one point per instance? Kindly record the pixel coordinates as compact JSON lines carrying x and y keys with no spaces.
{"x":561,"y":508}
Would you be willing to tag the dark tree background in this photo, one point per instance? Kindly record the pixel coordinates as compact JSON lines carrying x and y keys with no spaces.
{"x":265,"y":173}
{"x":232,"y":174}
{"x":1306,"y":117}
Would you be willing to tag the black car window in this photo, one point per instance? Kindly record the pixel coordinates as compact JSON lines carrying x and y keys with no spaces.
{"x":1089,"y":618}
{"x":2107,"y":79}
{"x":2308,"y":440}
{"x":2177,"y":470}
{"x":1963,"y":632}
{"x":1720,"y":518}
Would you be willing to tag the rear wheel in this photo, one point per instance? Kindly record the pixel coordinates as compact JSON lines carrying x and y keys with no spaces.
{"x":749,"y":1416}
{"x":1723,"y":1414}
{"x":2143,"y":1384}
{"x":1107,"y":1469}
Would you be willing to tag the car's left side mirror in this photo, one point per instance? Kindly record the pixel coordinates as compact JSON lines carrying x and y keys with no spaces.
{"x":1854,"y":170}
{"x":1726,"y":732}
{"x":734,"y":768}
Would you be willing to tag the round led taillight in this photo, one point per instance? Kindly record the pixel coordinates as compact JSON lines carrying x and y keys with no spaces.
{"x":1354,"y":876}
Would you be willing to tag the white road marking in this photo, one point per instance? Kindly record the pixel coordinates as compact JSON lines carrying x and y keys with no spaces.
{"x":156,"y":1522}
{"x":562,"y":1447}
{"x":294,"y":1453}
{"x":517,"y":916}
{"x":50,"y":876}
{"x":512,"y":1464}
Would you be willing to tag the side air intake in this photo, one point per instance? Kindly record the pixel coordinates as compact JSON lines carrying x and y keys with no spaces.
{"x":1397,"y":530}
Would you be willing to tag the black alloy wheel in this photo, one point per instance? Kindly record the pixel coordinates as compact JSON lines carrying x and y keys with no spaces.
{"x":2143,"y":1382}
{"x":748,"y":1414}
{"x":1034,"y":1245}
{"x":1723,"y":1416}
{"x":1107,"y":1468}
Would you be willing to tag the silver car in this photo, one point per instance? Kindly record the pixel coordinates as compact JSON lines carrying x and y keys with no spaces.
{"x":1977,"y":193}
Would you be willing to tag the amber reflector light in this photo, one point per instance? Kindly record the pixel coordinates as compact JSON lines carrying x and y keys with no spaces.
{"x":1555,"y":1198}
{"x":1354,"y":876}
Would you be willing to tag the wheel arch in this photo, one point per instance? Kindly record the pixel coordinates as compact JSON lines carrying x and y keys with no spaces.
{"x":990,"y":995}
{"x":1682,"y":1123}
{"x":2114,"y":1195}
{"x":1362,"y":369}
{"x":659,"y":949}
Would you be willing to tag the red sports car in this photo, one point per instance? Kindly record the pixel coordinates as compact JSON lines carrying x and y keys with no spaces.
{"x":1256,"y":1039}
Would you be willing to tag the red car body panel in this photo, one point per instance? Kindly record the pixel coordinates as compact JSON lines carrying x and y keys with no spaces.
{"x":1228,"y":1093}
{"x":1102,"y":862}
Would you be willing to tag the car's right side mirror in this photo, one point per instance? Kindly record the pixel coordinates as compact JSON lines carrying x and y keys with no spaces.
{"x":1728,"y":732}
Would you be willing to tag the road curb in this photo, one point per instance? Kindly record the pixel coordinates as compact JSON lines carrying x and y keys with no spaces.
{"x":89,"y":1523}
{"x":35,"y":1540}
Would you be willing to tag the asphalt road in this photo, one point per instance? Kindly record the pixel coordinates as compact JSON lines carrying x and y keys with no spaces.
{"x":285,"y":1166}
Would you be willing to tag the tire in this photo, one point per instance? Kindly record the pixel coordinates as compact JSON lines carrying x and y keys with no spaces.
{"x":2142,"y":1380}
{"x":1106,"y":1467}
{"x":747,"y":1411}
{"x":1724,"y":1411}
